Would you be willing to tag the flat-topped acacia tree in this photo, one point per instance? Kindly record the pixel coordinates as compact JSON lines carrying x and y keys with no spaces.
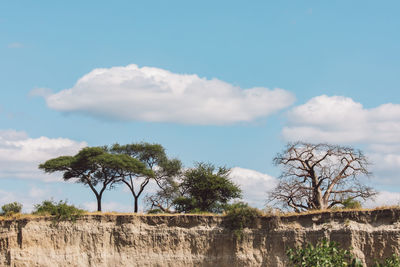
{"x":96,"y":168}
{"x":153,"y":156}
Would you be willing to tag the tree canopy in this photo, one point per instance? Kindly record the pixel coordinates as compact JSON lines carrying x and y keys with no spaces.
{"x":320,"y":176}
{"x":153,"y":156}
{"x":206,"y":188}
{"x":94,"y":167}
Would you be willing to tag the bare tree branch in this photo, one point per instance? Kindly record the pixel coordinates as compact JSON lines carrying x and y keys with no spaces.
{"x":320,"y":176}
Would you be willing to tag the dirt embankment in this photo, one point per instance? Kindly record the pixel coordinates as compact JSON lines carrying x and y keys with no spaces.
{"x":191,"y":240}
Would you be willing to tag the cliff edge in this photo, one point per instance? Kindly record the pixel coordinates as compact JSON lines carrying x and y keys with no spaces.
{"x":191,"y":240}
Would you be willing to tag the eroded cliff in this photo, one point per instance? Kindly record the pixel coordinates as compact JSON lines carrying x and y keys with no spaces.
{"x":190,"y":240}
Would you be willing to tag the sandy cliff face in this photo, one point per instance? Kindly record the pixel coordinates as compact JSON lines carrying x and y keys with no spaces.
{"x":129,"y":240}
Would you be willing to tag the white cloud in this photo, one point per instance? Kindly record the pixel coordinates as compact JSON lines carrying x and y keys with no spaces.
{"x":254,"y":185}
{"x":20,"y":155}
{"x":28,"y":200}
{"x":384,"y":198}
{"x":7,"y":197}
{"x":341,"y":120}
{"x":158,"y":95}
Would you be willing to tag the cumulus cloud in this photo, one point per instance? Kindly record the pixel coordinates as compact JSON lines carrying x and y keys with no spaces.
{"x":158,"y":95}
{"x":254,"y":185}
{"x":384,"y":198}
{"x":20,"y":155}
{"x":341,"y":120}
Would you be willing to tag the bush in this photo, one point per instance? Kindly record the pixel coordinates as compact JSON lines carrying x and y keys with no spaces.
{"x":351,"y":204}
{"x":61,"y":210}
{"x":239,"y":216}
{"x":155,"y":211}
{"x":393,"y":261}
{"x":11,"y":208}
{"x":323,"y":254}
{"x":205,"y":188}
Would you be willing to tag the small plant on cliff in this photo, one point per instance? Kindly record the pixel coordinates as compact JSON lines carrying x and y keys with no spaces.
{"x":323,"y":254}
{"x":239,"y":216}
{"x":61,"y":210}
{"x":392,"y":261}
{"x":350,"y":203}
{"x":11,"y":208}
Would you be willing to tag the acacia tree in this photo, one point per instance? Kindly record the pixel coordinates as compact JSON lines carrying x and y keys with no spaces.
{"x":153,"y":156}
{"x":206,"y":188}
{"x":320,"y":176}
{"x":94,"y":167}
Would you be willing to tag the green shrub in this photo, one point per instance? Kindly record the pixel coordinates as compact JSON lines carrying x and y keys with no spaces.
{"x":154,"y":211}
{"x":61,"y":210}
{"x":323,"y":254}
{"x":11,"y":208}
{"x":393,"y":261}
{"x":351,"y":204}
{"x":239,"y":216}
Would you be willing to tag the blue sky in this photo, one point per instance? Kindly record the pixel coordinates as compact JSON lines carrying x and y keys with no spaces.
{"x":338,"y":54}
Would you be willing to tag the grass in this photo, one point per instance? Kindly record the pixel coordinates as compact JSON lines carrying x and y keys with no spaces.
{"x":288,"y":214}
{"x":263,"y":214}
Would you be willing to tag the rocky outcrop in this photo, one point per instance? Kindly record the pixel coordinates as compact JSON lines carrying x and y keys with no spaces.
{"x":190,"y":240}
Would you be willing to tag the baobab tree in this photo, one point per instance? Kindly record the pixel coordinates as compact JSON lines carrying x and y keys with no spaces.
{"x":320,"y":176}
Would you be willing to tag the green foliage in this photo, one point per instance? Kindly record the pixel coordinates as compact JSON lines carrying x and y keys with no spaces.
{"x":154,"y":211}
{"x":158,"y":167}
{"x":323,"y":254}
{"x":95,"y":166}
{"x":185,"y":204}
{"x":239,"y":216}
{"x":206,"y":188}
{"x":61,"y":210}
{"x":152,"y":155}
{"x":392,"y":261}
{"x":93,"y":162}
{"x":351,"y":203}
{"x":11,"y":208}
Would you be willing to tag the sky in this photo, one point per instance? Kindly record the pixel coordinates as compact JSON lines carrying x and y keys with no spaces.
{"x":225,"y":82}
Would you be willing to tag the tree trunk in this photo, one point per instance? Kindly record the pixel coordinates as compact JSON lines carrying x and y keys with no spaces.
{"x":98,"y":203}
{"x":136,"y":204}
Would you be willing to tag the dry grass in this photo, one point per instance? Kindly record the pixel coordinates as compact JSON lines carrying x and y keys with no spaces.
{"x":21,"y":216}
{"x":114,"y":213}
{"x":338,"y":210}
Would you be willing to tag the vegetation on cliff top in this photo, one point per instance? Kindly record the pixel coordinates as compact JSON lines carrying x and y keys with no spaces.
{"x":314,"y":177}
